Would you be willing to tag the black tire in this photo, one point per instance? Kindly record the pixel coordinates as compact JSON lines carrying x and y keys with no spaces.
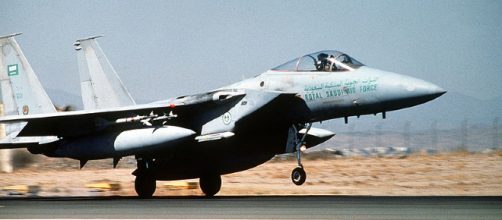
{"x":298,"y":176}
{"x":145,"y":186}
{"x":210,"y":184}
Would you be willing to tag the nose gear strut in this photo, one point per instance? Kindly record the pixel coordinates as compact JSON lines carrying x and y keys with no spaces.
{"x":298,"y":176}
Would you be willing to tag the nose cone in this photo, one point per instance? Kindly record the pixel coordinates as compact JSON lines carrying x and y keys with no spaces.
{"x":404,"y":91}
{"x":422,"y":89}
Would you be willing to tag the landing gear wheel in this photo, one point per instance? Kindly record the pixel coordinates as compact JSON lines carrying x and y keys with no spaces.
{"x":210,"y":184}
{"x":298,"y":176}
{"x":145,"y":186}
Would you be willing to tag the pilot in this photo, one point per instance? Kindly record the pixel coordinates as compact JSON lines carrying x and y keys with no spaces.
{"x":346,"y":59}
{"x":332,"y":64}
{"x":322,"y":61}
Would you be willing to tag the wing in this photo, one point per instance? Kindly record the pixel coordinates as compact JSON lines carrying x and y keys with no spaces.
{"x":213,"y":115}
{"x":76,"y":123}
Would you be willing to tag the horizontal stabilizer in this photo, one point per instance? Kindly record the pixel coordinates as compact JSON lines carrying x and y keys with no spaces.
{"x":24,"y":142}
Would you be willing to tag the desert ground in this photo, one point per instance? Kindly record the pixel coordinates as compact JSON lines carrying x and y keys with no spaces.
{"x":418,"y":174}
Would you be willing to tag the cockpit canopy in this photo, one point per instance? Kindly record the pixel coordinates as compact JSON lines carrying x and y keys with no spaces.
{"x":322,"y":61}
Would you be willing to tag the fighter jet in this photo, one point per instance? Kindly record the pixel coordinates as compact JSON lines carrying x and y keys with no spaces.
{"x":222,"y":131}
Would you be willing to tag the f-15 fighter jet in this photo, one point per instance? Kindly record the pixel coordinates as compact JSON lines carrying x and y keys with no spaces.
{"x":205,"y":135}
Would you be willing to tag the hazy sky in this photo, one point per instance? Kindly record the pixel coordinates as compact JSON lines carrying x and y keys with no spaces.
{"x":163,"y":49}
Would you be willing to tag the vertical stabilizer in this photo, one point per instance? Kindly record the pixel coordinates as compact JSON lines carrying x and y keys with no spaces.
{"x":99,"y":83}
{"x":20,"y":88}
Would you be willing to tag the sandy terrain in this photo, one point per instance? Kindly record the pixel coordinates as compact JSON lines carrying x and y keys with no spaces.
{"x":442,"y":174}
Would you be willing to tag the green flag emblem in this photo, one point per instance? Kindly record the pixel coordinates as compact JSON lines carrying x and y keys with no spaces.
{"x":13,"y":70}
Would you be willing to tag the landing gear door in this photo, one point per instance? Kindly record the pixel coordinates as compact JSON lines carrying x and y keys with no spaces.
{"x":291,"y":141}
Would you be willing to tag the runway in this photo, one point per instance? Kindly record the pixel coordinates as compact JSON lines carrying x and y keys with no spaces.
{"x":256,"y":207}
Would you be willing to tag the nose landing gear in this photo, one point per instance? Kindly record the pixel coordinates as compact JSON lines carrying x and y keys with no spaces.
{"x":298,"y":176}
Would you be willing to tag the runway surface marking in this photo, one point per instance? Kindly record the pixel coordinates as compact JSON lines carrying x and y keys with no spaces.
{"x":259,"y":207}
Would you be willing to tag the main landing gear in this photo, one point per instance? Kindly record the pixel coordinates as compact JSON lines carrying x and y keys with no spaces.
{"x":145,"y":182}
{"x":298,"y":176}
{"x":210,"y":184}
